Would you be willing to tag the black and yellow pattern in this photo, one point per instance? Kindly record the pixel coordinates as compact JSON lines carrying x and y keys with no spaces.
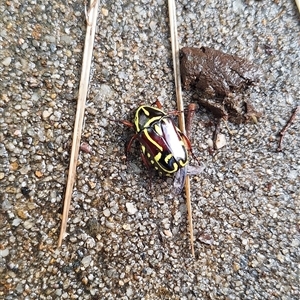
{"x":163,"y":145}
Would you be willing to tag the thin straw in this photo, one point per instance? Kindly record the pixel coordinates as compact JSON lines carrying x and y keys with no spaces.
{"x":180,"y":108}
{"x":83,"y":87}
{"x":298,"y":4}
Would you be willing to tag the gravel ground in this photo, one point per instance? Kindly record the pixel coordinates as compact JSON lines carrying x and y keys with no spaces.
{"x":127,"y":233}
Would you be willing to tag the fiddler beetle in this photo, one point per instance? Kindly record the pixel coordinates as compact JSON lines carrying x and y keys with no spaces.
{"x":163,"y":145}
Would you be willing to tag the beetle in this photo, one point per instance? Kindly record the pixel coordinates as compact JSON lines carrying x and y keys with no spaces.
{"x":163,"y":145}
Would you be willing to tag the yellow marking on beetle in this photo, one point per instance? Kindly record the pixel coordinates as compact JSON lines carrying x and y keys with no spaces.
{"x":147,"y":124}
{"x":148,"y":155}
{"x":182,"y":163}
{"x":157,"y":128}
{"x":147,"y":111}
{"x":175,"y":167}
{"x":136,"y":119}
{"x":151,"y":120}
{"x":159,"y":147}
{"x":168,"y":157}
{"x":152,"y":161}
{"x":143,"y":149}
{"x":169,"y":172}
{"x":157,"y":157}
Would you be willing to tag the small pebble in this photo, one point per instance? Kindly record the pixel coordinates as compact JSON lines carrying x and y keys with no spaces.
{"x":131,"y":208}
{"x":6,"y":61}
{"x":86,"y":261}
{"x":46,"y":114}
{"x":16,"y":222}
{"x":104,"y":12}
{"x":126,"y":227}
{"x":85,"y":147}
{"x":38,"y":174}
{"x":106,"y":212}
{"x":220,"y":141}
{"x":28,"y":224}
{"x":4,"y":252}
{"x":206,"y":239}
{"x":168,"y":233}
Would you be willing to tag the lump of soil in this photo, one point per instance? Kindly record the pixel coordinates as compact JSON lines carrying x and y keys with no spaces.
{"x":218,"y":75}
{"x":231,"y":108}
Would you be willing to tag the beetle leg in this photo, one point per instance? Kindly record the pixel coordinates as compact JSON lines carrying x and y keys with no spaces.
{"x":189,"y":118}
{"x":127,"y":148}
{"x":127,"y":123}
{"x":187,"y":144}
{"x":186,"y":141}
{"x":158,"y":104}
{"x":124,"y":122}
{"x":145,"y":161}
